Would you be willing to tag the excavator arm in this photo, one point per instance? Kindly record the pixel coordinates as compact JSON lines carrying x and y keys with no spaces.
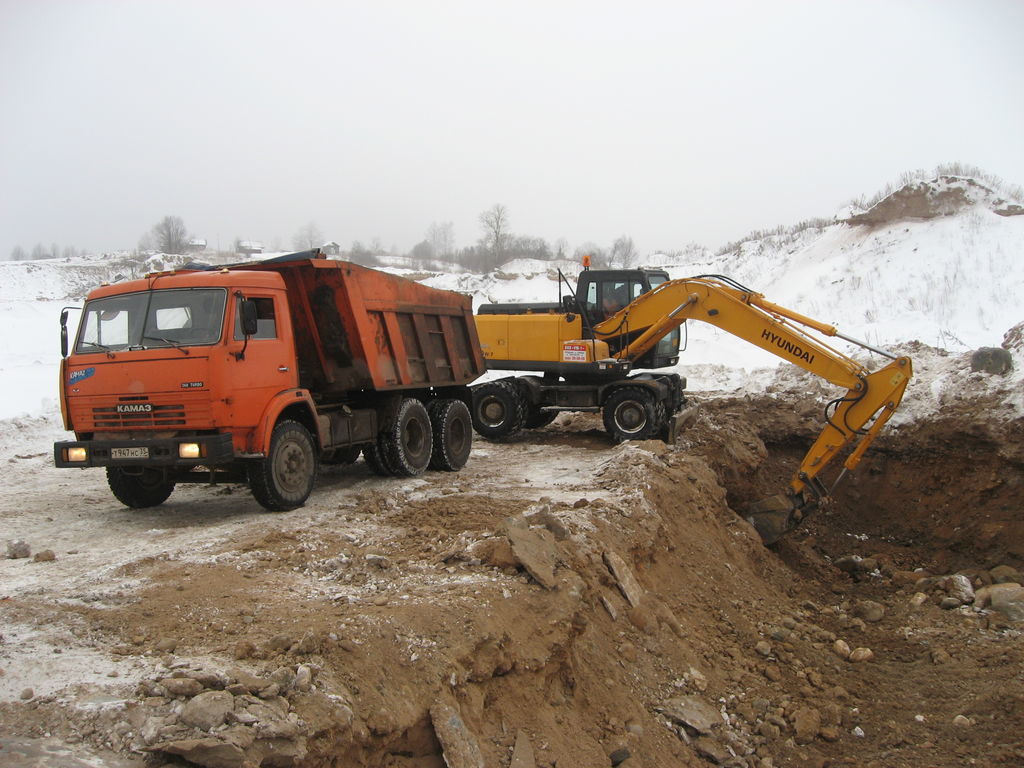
{"x":854,"y":418}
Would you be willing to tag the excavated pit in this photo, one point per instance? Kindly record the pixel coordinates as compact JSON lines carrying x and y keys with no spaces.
{"x":560,"y":602}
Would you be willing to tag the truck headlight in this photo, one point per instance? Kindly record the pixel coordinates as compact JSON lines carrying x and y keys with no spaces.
{"x":77,"y":453}
{"x":188,"y":450}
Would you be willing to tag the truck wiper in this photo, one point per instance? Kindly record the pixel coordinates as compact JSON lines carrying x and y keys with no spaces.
{"x":168,"y":342}
{"x":108,"y":350}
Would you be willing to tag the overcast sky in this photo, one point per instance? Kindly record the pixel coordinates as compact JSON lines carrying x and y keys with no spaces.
{"x":672,"y":122}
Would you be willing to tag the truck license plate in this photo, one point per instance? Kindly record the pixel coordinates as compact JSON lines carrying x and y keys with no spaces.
{"x":129,"y":453}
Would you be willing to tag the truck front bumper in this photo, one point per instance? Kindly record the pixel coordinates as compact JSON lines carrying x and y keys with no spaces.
{"x":187,"y":451}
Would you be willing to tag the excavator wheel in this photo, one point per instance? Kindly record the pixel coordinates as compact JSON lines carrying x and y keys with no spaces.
{"x":499,"y":409}
{"x":536,"y":418}
{"x":632,"y":413}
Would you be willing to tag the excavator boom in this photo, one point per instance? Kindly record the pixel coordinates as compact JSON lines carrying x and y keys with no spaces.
{"x":855,"y":418}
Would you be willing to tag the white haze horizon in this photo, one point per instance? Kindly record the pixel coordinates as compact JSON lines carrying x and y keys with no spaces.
{"x":671,"y":123}
{"x":951,"y":282}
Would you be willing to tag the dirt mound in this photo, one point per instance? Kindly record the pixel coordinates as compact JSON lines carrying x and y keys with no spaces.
{"x":560,"y":602}
{"x":942,"y":196}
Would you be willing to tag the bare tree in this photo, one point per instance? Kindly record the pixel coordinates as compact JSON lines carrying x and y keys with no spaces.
{"x":18,"y":254}
{"x":307,"y":238}
{"x":39,"y":252}
{"x":494,"y":222}
{"x":623,"y":250}
{"x":441,"y":237}
{"x":170,"y":235}
{"x":561,"y":248}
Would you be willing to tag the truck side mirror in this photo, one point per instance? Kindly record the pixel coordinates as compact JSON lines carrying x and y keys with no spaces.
{"x":569,"y":304}
{"x":249,"y":317}
{"x":63,"y":333}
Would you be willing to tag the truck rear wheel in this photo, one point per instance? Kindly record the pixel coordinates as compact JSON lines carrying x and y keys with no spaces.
{"x":376,"y":459}
{"x":139,"y":487}
{"x":408,"y":443}
{"x":453,"y":434}
{"x":631,"y":413}
{"x":499,"y":410}
{"x":284,"y":479}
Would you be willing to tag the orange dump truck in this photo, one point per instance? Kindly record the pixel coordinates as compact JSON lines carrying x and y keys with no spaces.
{"x":258,"y":372}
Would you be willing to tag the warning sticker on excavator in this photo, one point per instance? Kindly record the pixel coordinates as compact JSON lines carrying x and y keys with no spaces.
{"x":574,"y":353}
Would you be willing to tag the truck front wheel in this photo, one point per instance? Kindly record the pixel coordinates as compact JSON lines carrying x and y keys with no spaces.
{"x":631,"y":413}
{"x":139,"y":487}
{"x":408,"y":443}
{"x":284,"y":479}
{"x":453,"y":434}
{"x":499,"y":410}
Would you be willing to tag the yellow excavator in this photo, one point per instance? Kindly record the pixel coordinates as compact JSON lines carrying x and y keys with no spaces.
{"x":594,"y":351}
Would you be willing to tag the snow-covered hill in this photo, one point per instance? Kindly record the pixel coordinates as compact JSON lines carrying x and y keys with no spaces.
{"x":936,"y":261}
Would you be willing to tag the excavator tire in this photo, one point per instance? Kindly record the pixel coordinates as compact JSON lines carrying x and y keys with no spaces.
{"x":536,"y":418}
{"x":632,"y":413}
{"x":499,"y":409}
{"x":453,"y":434}
{"x":408,"y":443}
{"x":139,"y":489}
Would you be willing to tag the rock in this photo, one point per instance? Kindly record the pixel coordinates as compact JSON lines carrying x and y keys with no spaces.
{"x":181,"y":686}
{"x":861,"y":654}
{"x":619,"y":756}
{"x":983,"y":596}
{"x":806,"y":724}
{"x":459,"y":746}
{"x":379,"y":561}
{"x":280,"y":642}
{"x":244,"y":649}
{"x":580,"y":503}
{"x":303,"y":678}
{"x":308,"y":644}
{"x":550,"y":520}
{"x":869,"y":610}
{"x":207,"y":710}
{"x":166,"y":645}
{"x":841,"y":648}
{"x":940,"y":656}
{"x":919,"y":599}
{"x":496,"y":552}
{"x":992,"y":360}
{"x":252,"y":683}
{"x":829,"y":733}
{"x":854,"y":564}
{"x":46,"y":556}
{"x":711,"y":749}
{"x":535,"y":550}
{"x":764,"y":648}
{"x":961,"y":721}
{"x":960,"y":587}
{"x":1010,"y":603}
{"x":694,"y":712}
{"x":17,"y":549}
{"x":26,"y":694}
{"x":1003,"y":574}
{"x":948,"y":603}
{"x":627,"y":582}
{"x":522,"y":752}
{"x":208,"y":752}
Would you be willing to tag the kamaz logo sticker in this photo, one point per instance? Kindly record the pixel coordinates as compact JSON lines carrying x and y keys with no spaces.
{"x":134,"y":407}
{"x":76,"y":376}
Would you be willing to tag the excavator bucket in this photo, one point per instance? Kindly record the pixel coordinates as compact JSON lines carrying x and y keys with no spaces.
{"x":775,"y":516}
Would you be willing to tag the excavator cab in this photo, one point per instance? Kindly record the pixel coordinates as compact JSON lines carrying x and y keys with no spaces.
{"x":602,"y":293}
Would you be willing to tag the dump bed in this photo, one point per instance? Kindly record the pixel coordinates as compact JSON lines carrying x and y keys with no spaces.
{"x":361,"y":329}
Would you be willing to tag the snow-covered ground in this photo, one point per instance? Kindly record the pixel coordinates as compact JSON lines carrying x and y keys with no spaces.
{"x":952,"y":282}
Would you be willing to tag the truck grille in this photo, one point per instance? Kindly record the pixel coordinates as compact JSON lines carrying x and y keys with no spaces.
{"x":142,"y":413}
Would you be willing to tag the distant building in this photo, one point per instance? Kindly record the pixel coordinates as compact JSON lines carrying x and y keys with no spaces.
{"x":331,"y":249}
{"x":195,"y":245}
{"x":250,"y":247}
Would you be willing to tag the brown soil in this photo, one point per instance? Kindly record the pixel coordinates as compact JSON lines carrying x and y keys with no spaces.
{"x":408,"y":601}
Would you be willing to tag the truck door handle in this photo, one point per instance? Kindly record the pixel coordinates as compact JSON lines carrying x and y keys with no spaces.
{"x":283,"y":368}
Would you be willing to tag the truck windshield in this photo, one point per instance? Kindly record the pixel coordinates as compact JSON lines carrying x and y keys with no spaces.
{"x":163,"y":318}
